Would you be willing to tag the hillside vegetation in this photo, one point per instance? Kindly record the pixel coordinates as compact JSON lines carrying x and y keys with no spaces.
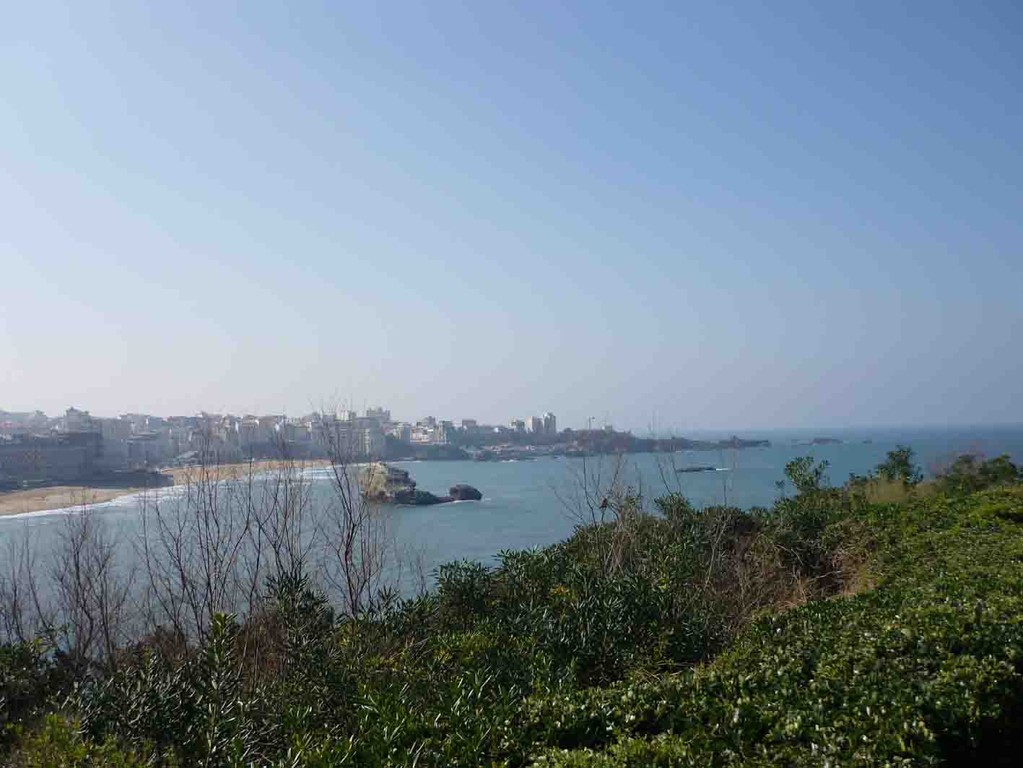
{"x":829,"y":630}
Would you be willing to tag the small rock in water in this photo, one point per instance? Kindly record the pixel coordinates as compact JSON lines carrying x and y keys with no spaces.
{"x":463,"y":492}
{"x":419,"y":498}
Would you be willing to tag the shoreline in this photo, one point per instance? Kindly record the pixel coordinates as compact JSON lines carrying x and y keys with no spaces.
{"x":55,"y":497}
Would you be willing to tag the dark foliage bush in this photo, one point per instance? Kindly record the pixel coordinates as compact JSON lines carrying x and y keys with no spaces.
{"x":28,"y":681}
{"x":970,"y":473}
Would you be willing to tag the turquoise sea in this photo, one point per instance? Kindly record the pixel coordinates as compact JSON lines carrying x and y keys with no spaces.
{"x":524,"y":502}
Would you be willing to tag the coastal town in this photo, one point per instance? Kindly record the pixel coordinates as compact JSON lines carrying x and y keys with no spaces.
{"x":37,"y":449}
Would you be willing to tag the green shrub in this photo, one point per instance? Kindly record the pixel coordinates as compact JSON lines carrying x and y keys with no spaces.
{"x":970,"y":473}
{"x":899,"y":467}
{"x":58,"y":743}
{"x":29,"y":681}
{"x":925,"y":669}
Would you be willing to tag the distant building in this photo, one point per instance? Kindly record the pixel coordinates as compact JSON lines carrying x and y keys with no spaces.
{"x":62,"y":458}
{"x":294,"y":431}
{"x":534,"y":425}
{"x":114,"y":429}
{"x":345,"y":436}
{"x":421,"y":435}
{"x":402,"y":432}
{"x":269,"y":428}
{"x":115,"y":434}
{"x":429,"y":431}
{"x":26,"y":423}
{"x":469,"y":425}
{"x":380,"y":415}
{"x":146,"y":450}
{"x":78,"y":421}
{"x":518,"y":425}
{"x":336,"y":436}
{"x":550,"y":423}
{"x":248,"y":431}
{"x":373,"y":443}
{"x":136,"y":420}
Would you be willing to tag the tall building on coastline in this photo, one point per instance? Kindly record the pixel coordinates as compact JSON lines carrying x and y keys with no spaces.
{"x":550,"y":423}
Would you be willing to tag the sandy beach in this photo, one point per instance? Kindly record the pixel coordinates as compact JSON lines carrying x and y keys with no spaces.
{"x":56,"y":497}
{"x":63,"y":496}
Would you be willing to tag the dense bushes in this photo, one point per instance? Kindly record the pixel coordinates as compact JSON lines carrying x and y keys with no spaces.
{"x":27,"y":680}
{"x":652,"y":639}
{"x":925,"y":668}
{"x":970,"y":473}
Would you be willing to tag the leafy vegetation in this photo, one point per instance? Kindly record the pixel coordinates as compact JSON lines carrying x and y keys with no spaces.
{"x":828,"y":630}
{"x":899,"y":467}
{"x":971,"y":473}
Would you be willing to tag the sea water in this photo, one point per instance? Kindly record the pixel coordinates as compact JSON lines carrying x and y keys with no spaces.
{"x":531,"y":503}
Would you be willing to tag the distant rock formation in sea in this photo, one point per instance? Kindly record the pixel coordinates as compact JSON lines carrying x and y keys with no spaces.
{"x":383,"y":483}
{"x":463,"y":492}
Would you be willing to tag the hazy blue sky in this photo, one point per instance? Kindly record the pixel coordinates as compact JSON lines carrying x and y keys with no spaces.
{"x":704,"y":214}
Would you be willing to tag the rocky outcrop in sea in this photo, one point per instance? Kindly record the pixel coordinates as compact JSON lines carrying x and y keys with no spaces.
{"x":383,"y":483}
